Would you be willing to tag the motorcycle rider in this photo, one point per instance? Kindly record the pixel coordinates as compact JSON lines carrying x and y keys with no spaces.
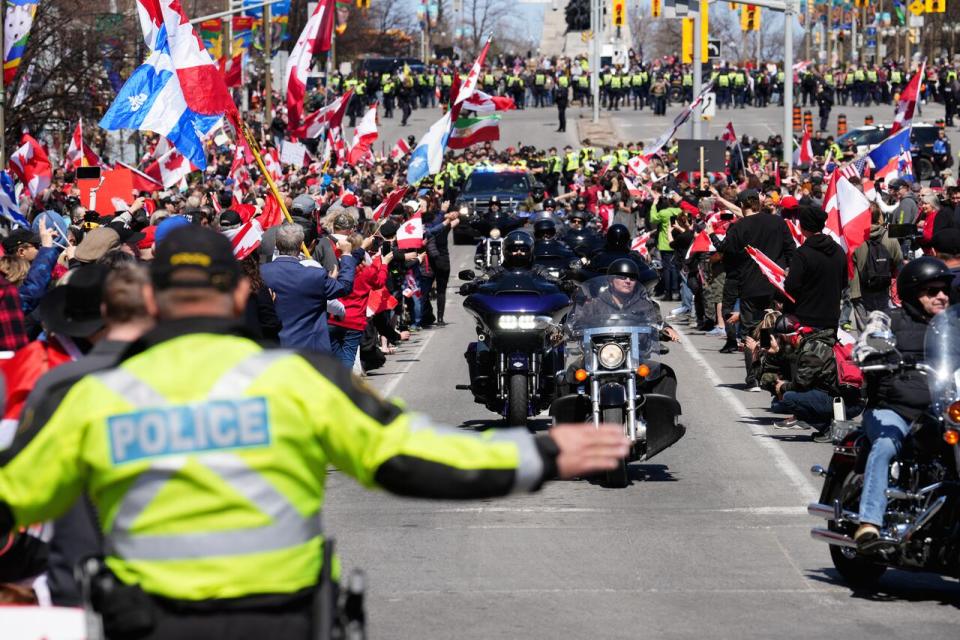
{"x":895,"y":399}
{"x":617,"y":247}
{"x":579,"y":236}
{"x":517,"y":254}
{"x":617,"y":292}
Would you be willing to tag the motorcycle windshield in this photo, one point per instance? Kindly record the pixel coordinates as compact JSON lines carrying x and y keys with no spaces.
{"x":942,"y":353}
{"x":613,"y":302}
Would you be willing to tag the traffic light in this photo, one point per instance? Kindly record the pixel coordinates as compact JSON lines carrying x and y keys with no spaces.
{"x":619,"y":13}
{"x":656,"y":8}
{"x":861,"y":3}
{"x":578,"y":15}
{"x":935,"y":6}
{"x":750,"y":17}
{"x":363,"y":4}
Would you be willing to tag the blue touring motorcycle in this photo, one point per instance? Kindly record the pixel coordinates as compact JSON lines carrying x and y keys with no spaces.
{"x":512,"y":364}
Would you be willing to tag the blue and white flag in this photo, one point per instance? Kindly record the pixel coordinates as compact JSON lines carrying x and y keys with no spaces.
{"x":886,"y":158}
{"x":427,"y":158}
{"x":8,"y":201}
{"x":178,"y":91}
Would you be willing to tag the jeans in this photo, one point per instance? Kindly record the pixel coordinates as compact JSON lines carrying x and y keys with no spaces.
{"x":815,"y":407}
{"x":686,"y":297}
{"x":671,"y":277}
{"x":345,"y":343}
{"x":886,"y":429}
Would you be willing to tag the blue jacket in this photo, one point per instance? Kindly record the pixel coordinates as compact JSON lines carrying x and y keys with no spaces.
{"x":35,"y":285}
{"x":302,"y":294}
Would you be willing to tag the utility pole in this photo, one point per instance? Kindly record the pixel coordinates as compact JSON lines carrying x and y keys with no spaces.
{"x":268,"y":71}
{"x":853,"y":37}
{"x":596,"y":23}
{"x":788,"y":13}
{"x":698,"y":65}
{"x":3,"y":94}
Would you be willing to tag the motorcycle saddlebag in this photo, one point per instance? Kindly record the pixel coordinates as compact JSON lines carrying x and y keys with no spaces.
{"x":570,"y":408}
{"x":660,"y":413}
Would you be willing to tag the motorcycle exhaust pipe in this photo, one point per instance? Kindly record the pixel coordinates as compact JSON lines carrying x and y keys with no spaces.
{"x":924,"y":518}
{"x":835,"y":538}
{"x":827,"y":512}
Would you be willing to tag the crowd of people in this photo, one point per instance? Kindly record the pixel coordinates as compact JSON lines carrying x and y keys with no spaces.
{"x":634,"y":83}
{"x":84,"y":289}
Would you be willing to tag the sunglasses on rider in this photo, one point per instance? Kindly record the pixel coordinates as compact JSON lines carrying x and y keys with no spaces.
{"x":935,"y":289}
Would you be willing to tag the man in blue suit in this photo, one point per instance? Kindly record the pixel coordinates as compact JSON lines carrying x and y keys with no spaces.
{"x":302,"y":291}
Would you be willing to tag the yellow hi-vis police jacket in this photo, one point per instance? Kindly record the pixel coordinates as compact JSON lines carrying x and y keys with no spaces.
{"x":205,"y":456}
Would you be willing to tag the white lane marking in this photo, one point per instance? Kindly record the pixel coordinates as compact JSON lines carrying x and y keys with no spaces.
{"x":398,"y":376}
{"x":761,"y":436}
{"x":754,"y":511}
{"x":587,"y":590}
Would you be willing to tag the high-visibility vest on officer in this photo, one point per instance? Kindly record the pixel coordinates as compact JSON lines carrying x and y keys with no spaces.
{"x":209,"y":486}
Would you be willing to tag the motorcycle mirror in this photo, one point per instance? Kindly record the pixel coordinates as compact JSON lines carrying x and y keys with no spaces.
{"x":467,"y":274}
{"x":664,"y":349}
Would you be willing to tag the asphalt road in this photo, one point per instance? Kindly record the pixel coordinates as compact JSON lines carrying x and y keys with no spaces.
{"x":711,"y":540}
{"x":538,"y":126}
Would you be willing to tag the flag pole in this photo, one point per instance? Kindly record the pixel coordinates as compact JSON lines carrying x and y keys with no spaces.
{"x":255,"y":150}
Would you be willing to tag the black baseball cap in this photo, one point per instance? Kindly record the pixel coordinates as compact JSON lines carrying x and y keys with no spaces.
{"x":17,"y":238}
{"x":195,"y":257}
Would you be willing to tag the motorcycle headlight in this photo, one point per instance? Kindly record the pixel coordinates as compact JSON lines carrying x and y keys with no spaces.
{"x":494,"y":233}
{"x":611,"y":355}
{"x":522,"y":322}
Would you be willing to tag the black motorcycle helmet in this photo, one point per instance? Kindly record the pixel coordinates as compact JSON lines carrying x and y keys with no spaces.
{"x":537,"y":196}
{"x":618,"y":238}
{"x":578,"y":215}
{"x":494,"y":202}
{"x":580,"y":202}
{"x":915,"y":276}
{"x":544,"y":229}
{"x":518,"y":250}
{"x":549,"y":203}
{"x":624,"y":268}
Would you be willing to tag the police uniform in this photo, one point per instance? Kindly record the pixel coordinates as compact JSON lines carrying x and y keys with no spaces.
{"x":209,"y":485}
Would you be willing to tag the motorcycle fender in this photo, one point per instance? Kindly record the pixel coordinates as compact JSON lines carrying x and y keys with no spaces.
{"x":660,"y":413}
{"x":571,"y":408}
{"x":612,"y":394}
{"x":518,"y":363}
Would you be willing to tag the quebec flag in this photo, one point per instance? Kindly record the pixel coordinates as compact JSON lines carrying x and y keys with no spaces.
{"x":427,"y":158}
{"x":178,"y":92}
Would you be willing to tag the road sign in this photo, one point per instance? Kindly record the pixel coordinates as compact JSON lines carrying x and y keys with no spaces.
{"x":915,"y":21}
{"x":917,"y":7}
{"x":713,"y":49}
{"x":708,"y":109}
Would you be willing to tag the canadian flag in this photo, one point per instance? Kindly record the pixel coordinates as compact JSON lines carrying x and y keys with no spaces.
{"x":141,"y":181}
{"x":170,"y":168}
{"x":639,"y":244}
{"x":240,"y":175}
{"x":245,"y":239}
{"x":271,"y":162}
{"x":231,"y":68}
{"x":632,"y":189}
{"x":854,"y":213}
{"x":480,"y":103}
{"x":78,"y":153}
{"x":470,"y":84}
{"x":804,"y":155}
{"x":31,"y":166}
{"x":315,"y":37}
{"x":794,"y":227}
{"x":364,"y":135}
{"x":399,"y":150}
{"x":410,"y":233}
{"x":908,"y":102}
{"x":336,"y":144}
{"x":729,"y":135}
{"x":272,"y":214}
{"x":771,"y":270}
{"x":638,"y":164}
{"x":701,"y":244}
{"x":328,"y":116}
{"x":389,"y":203}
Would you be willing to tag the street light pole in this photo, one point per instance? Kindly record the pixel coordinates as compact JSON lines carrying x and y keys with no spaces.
{"x":698,"y":65}
{"x":596,"y":22}
{"x":788,"y":13}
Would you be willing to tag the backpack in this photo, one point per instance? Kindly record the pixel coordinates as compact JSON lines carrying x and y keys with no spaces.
{"x":877,"y":273}
{"x":849,"y":375}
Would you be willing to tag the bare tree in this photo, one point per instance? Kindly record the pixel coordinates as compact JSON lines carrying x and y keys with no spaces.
{"x":392,"y":14}
{"x":482,"y":18}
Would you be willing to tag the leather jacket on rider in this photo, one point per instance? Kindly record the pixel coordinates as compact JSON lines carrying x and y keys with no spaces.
{"x":905,"y":392}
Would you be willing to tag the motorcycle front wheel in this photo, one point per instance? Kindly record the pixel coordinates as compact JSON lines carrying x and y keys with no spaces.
{"x":617,"y":478}
{"x":518,"y":400}
{"x":858,"y":571}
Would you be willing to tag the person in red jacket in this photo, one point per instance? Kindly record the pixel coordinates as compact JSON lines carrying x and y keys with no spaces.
{"x":345,"y":332}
